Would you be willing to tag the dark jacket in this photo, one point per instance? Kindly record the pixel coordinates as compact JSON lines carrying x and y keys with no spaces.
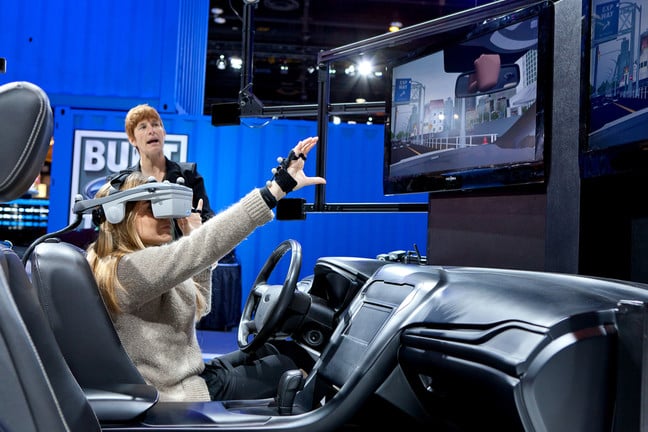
{"x":193,"y":179}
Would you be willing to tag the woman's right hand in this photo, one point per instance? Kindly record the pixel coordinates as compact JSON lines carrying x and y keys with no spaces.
{"x":296,"y":169}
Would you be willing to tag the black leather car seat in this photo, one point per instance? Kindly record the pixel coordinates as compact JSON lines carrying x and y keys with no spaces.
{"x":38,"y":391}
{"x":82,"y":327}
{"x":27,"y":401}
{"x":76,"y":313}
{"x":70,"y":397}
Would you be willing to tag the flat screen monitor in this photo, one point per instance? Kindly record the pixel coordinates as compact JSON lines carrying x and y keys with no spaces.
{"x":466,"y":108}
{"x":615,"y":98}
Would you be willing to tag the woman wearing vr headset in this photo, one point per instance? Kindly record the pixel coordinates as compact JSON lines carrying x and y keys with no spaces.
{"x":156,"y":289}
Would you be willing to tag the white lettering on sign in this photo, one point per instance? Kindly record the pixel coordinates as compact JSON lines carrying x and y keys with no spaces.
{"x":93,"y":159}
{"x":116,"y":155}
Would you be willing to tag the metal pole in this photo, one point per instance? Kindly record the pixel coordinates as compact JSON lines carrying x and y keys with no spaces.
{"x":247,"y":44}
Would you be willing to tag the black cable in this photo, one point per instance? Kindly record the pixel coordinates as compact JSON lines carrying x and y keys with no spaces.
{"x":41,"y":239}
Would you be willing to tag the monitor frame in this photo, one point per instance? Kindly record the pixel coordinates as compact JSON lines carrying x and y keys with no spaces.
{"x":507,"y":177}
{"x":611,"y":146}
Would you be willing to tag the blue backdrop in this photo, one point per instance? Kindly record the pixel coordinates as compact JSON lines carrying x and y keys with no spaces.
{"x":235,"y":159}
{"x":98,"y":59}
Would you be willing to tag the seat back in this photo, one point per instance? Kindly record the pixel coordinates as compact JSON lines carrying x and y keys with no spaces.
{"x":71,"y":400}
{"x":76,"y":313}
{"x":27,"y":400}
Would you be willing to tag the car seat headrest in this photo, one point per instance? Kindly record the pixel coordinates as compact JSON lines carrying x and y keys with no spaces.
{"x":26,"y":126}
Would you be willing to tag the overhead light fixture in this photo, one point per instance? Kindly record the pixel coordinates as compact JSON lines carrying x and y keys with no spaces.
{"x":395,"y":26}
{"x":236,"y":62}
{"x":365,"y":67}
{"x":216,"y":15}
{"x":221,"y":64}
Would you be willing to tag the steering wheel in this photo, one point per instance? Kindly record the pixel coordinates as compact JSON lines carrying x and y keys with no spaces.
{"x":266,"y":305}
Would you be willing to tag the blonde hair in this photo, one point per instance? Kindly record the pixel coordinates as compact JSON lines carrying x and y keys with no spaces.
{"x":113,"y":242}
{"x":137,"y":114}
{"x":116,"y":240}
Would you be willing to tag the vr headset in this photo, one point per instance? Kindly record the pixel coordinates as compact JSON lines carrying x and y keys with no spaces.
{"x":168,"y":201}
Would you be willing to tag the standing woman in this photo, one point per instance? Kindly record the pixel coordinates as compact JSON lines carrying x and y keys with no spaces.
{"x":156,"y":289}
{"x":145,"y":131}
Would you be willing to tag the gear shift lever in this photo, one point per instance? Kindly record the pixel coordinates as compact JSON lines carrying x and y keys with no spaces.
{"x":289,"y":383}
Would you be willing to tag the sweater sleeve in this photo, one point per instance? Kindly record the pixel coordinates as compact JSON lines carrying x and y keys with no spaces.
{"x":148,"y":273}
{"x":203,"y":283}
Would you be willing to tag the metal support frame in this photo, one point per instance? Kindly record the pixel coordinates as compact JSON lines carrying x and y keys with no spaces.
{"x":251,"y":106}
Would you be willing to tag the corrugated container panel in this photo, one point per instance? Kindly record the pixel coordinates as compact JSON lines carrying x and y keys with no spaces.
{"x":104,"y":54}
{"x":192,"y":56}
{"x":235,"y":159}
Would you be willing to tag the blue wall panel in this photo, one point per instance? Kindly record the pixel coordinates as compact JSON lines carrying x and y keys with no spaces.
{"x":192,"y":58}
{"x":109,"y":54}
{"x":235,"y":159}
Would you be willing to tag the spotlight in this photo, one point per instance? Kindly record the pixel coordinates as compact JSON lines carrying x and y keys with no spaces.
{"x":395,"y":26}
{"x":220,"y":63}
{"x":216,"y":15}
{"x":365,"y":67}
{"x":236,"y":62}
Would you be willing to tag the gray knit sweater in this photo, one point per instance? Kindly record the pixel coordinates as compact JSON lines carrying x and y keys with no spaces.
{"x":158,"y":319}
